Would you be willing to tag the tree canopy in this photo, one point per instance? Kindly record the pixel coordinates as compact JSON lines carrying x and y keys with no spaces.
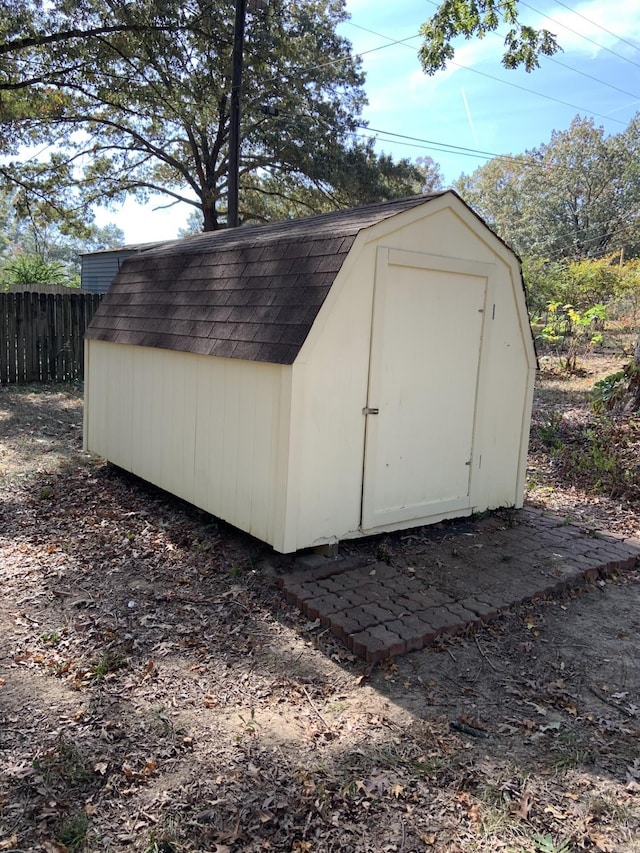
{"x":523,"y":44}
{"x":38,"y":244}
{"x":577,"y":196}
{"x":135,"y":99}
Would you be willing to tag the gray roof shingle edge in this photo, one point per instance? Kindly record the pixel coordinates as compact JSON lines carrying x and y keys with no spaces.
{"x":251,"y":293}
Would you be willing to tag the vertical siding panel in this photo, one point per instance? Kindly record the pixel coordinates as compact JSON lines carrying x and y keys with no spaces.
{"x":246,"y":430}
{"x":86,"y":408}
{"x":207,"y":429}
{"x":262,"y":474}
{"x":174,"y":403}
{"x":230,"y":443}
{"x":120,"y":394}
{"x":187,"y":425}
{"x":142,"y":416}
{"x":204,"y":437}
{"x":215,"y":387}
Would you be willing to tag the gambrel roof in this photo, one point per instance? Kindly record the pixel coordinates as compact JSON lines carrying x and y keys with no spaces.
{"x":251,"y":292}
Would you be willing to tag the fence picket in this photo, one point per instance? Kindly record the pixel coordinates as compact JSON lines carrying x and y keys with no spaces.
{"x":42,"y":335}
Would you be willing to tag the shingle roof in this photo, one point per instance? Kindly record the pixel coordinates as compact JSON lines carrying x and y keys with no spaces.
{"x":250,"y":293}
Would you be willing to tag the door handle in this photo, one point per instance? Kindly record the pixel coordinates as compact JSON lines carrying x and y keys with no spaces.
{"x":369,"y":411}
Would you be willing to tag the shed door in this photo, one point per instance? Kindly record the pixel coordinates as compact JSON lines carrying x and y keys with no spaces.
{"x":425,"y":356}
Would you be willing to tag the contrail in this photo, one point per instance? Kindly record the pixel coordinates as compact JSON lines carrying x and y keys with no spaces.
{"x":468,"y":111}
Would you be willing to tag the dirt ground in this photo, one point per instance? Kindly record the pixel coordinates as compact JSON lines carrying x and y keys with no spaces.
{"x":157,"y":694}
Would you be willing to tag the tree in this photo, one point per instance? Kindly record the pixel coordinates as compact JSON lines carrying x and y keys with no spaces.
{"x":574,"y":197}
{"x":477,"y":18}
{"x":138,"y":103}
{"x":39,"y":245}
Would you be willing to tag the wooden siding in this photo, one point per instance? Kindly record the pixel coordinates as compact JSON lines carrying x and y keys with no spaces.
{"x":211,"y":431}
{"x":328,"y":438}
{"x":98,"y":270}
{"x":280,"y":450}
{"x":41,"y":336}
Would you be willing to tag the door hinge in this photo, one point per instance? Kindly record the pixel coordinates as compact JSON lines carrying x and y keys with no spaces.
{"x":369,"y":411}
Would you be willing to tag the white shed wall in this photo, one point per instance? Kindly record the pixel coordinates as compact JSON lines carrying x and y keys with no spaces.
{"x":329,"y":393}
{"x":213,"y":431}
{"x":279,"y":450}
{"x":331,"y":378}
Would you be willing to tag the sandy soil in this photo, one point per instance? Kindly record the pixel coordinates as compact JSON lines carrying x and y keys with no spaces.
{"x":156,"y":693}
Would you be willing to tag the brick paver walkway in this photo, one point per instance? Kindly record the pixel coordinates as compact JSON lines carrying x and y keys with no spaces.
{"x":458,"y":580}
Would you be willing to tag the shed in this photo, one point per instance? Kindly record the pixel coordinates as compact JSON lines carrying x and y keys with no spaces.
{"x":322,"y":378}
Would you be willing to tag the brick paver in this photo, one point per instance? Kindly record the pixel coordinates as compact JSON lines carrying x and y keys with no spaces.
{"x":459,"y":580}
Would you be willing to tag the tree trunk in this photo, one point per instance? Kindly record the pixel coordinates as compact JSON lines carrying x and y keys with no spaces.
{"x":210,"y":217}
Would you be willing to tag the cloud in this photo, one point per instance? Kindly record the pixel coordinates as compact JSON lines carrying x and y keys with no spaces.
{"x":593,"y":21}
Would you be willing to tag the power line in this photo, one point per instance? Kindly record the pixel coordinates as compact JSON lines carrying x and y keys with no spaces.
{"x":539,"y":94}
{"x":595,"y":24}
{"x":591,"y":77}
{"x":580,"y":35}
{"x":509,"y":82}
{"x":448,"y":148}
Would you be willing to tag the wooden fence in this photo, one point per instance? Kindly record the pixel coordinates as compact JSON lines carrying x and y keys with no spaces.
{"x":42,"y":336}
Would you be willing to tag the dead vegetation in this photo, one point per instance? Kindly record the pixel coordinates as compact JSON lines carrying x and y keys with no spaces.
{"x":157,"y":695}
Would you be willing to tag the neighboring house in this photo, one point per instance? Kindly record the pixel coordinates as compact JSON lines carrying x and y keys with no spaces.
{"x":324,"y":378}
{"x":98,"y":269}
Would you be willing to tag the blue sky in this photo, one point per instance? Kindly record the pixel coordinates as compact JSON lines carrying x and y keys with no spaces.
{"x":477,"y":104}
{"x":474,"y":104}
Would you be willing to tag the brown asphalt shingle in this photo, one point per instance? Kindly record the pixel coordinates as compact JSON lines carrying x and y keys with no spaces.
{"x":250,"y":293}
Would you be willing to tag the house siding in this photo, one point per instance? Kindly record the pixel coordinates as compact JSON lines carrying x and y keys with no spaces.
{"x":212,"y":431}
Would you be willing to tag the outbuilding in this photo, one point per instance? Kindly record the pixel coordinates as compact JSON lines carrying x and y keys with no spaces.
{"x":322,"y":378}
{"x":98,"y":269}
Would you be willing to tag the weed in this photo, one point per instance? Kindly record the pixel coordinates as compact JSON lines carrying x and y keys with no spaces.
{"x":384,"y":553}
{"x":411,"y":759}
{"x":549,"y":432}
{"x":161,"y":844}
{"x":110,"y":662}
{"x":51,"y":638}
{"x":235,"y":572}
{"x":611,"y":809}
{"x":546,"y":844}
{"x":73,"y":832}
{"x":609,"y":392}
{"x":251,"y":725}
{"x":64,"y":763}
{"x":567,"y":753}
{"x":571,"y":332}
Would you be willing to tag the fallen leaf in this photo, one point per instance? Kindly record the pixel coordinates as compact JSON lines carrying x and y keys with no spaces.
{"x":603,"y":844}
{"x":524,"y":805}
{"x":100,"y":767}
{"x":557,"y":813}
{"x":9,"y":843}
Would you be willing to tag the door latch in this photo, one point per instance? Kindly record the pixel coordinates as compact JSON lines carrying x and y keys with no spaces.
{"x":369,"y":411}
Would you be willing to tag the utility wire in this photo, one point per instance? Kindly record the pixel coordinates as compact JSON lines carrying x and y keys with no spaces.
{"x":539,"y":94}
{"x":599,"y":26}
{"x":591,"y":77}
{"x":580,"y":35}
{"x":448,"y":148}
{"x":509,"y":82}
